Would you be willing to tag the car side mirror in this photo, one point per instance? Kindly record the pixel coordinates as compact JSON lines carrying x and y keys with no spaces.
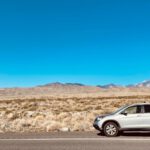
{"x":124,"y":113}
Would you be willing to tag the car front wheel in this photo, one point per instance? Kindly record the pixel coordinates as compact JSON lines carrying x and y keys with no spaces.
{"x":111,"y":129}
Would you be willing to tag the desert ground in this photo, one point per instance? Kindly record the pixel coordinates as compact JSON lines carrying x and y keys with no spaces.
{"x":61,"y":108}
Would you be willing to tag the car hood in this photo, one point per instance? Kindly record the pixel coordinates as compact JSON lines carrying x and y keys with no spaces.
{"x":106,"y":115}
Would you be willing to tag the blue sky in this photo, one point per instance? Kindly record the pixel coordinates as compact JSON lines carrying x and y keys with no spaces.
{"x":87,"y":41}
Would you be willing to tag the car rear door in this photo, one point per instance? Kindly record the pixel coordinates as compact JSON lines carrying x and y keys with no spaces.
{"x":146,"y":116}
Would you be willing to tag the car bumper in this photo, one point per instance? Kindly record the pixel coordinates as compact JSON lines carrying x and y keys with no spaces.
{"x":96,"y":126}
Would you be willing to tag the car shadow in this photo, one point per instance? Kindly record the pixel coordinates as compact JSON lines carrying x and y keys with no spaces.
{"x":141,"y":134}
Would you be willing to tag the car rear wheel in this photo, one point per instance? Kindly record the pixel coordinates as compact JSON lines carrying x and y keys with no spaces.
{"x":111,"y":129}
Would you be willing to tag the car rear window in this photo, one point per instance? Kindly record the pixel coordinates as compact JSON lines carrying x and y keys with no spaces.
{"x":147,"y":108}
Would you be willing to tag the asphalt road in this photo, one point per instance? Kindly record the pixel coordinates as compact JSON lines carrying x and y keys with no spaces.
{"x":74,"y":141}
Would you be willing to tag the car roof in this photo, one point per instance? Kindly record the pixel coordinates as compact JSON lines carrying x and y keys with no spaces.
{"x":139,"y":104}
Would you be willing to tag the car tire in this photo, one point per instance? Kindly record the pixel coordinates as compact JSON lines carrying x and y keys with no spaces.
{"x":111,"y":129}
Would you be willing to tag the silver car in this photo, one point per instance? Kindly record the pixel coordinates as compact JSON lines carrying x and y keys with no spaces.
{"x":135,"y":117}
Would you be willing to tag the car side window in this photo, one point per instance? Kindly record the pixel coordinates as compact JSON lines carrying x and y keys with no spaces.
{"x":147,"y":108}
{"x":133,"y":110}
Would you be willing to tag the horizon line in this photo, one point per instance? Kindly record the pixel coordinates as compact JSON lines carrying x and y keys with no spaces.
{"x":79,"y":83}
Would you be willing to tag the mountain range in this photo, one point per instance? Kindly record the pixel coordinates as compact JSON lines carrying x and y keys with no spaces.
{"x":106,"y":86}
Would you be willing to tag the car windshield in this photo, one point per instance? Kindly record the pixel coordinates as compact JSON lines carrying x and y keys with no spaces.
{"x":119,"y":109}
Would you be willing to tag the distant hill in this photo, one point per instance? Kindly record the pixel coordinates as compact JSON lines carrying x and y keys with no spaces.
{"x":107,"y":86}
{"x":51,"y":84}
{"x":144,"y":84}
{"x":76,"y":84}
{"x":61,"y":84}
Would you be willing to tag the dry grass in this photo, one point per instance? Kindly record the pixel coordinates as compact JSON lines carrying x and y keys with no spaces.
{"x":54,"y":114}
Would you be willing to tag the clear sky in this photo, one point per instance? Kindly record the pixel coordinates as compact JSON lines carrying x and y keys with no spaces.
{"x":87,"y":41}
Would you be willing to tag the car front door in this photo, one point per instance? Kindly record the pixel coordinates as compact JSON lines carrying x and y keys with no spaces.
{"x":130,"y":118}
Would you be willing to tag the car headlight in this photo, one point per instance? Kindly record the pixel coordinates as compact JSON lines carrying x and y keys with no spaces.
{"x":97,"y":119}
